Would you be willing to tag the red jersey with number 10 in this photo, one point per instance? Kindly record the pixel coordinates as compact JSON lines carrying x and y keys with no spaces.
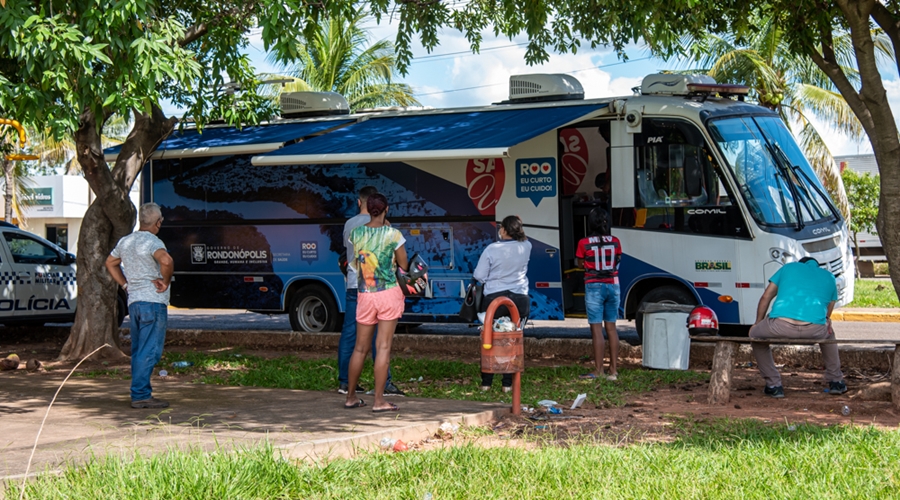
{"x":601,"y":255}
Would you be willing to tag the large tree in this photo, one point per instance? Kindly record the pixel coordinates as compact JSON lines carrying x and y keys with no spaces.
{"x":811,"y":28}
{"x":67,"y":66}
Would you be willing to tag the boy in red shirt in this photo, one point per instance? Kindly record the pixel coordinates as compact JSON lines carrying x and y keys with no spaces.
{"x":600,"y":254}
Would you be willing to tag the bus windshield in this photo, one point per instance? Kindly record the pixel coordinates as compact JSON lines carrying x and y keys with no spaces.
{"x":775,"y":179}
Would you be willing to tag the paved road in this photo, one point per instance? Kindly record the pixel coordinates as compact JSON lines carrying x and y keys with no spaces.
{"x":223,"y":319}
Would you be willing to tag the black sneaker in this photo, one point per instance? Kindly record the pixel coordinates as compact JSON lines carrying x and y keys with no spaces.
{"x":775,"y":392}
{"x":389,"y":390}
{"x":837,"y":387}
{"x":150,"y":403}
{"x":345,"y":388}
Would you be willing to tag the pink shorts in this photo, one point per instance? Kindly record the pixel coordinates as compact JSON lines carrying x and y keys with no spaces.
{"x":385,"y":305}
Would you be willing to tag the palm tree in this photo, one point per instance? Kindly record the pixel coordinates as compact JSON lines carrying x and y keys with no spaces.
{"x":15,"y":183}
{"x":60,"y":153}
{"x":791,"y":85}
{"x":339,"y":58}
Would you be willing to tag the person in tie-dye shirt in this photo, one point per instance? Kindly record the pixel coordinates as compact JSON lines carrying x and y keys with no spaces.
{"x":379,"y":250}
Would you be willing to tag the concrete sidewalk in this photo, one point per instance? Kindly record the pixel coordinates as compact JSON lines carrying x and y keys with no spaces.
{"x":92,"y":417}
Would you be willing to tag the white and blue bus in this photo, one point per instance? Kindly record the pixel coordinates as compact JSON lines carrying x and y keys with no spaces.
{"x":709,"y":195}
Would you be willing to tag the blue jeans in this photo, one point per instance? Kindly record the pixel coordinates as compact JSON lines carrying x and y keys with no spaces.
{"x":602,"y":302}
{"x":348,"y":338}
{"x":148,"y":335}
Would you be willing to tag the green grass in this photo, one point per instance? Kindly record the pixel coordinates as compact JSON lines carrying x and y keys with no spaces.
{"x":874,"y":293}
{"x":721,"y":459}
{"x":440,"y":379}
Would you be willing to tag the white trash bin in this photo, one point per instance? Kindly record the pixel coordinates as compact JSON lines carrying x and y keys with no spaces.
{"x":667,"y":344}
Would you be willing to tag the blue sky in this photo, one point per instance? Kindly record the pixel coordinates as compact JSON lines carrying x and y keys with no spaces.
{"x":451,"y":76}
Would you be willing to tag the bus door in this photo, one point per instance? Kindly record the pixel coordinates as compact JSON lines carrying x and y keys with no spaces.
{"x":584,"y":155}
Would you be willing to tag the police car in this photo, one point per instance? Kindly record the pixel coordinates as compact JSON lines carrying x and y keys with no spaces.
{"x":37,"y":280}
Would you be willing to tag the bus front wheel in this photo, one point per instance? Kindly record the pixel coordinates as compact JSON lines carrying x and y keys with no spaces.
{"x":313,"y":310}
{"x":669,"y":294}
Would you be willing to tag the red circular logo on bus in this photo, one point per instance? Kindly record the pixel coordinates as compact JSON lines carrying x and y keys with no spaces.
{"x":574,"y":159}
{"x":484,"y":183}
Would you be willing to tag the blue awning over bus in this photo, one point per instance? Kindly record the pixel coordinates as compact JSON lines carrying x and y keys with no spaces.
{"x":435,"y":135}
{"x":216,"y":140}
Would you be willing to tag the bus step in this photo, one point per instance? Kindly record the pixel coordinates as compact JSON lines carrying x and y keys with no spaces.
{"x":577,"y":315}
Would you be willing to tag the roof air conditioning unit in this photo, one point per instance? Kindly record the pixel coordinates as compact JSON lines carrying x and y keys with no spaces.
{"x":544,"y":87}
{"x":304,"y":104}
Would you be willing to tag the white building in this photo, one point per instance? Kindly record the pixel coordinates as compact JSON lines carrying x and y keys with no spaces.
{"x":59,"y":205}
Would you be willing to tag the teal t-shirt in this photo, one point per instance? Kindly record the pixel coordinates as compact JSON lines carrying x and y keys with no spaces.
{"x":804,"y":292}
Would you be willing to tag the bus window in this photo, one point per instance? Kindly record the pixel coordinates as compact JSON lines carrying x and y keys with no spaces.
{"x":678,"y":183}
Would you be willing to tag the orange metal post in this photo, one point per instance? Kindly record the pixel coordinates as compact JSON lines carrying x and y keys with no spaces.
{"x":504,"y":352}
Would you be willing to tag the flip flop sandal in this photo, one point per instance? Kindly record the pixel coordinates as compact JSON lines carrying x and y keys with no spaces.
{"x":358,"y":404}
{"x":392,"y":407}
{"x":587,"y":376}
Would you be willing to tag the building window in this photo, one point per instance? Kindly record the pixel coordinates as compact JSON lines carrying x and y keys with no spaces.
{"x":59,"y":234}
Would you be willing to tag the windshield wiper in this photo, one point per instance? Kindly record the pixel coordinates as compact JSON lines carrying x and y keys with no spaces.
{"x":799,"y":171}
{"x":781,"y":165}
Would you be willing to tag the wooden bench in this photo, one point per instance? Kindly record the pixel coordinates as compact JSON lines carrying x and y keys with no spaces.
{"x":723,"y":361}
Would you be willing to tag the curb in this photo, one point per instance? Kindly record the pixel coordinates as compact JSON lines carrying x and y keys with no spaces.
{"x":866,"y":357}
{"x":869,"y":317}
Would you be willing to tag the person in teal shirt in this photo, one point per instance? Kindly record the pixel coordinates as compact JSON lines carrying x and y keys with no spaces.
{"x":804,"y":296}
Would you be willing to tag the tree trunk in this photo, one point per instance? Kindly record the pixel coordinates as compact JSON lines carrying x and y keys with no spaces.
{"x":870,"y":105}
{"x":110,"y":217}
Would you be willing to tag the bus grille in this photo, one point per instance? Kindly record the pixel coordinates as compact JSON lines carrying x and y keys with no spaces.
{"x":822,"y":245}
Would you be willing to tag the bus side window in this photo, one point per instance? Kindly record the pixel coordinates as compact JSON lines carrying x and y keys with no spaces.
{"x":678,"y":185}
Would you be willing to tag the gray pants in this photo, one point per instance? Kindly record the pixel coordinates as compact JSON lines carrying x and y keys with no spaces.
{"x":775,"y":329}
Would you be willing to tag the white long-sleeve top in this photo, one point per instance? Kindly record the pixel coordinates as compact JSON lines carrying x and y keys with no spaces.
{"x":504,"y":266}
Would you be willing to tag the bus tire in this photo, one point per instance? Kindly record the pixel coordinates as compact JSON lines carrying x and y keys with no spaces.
{"x":669,"y":294}
{"x":314,"y":310}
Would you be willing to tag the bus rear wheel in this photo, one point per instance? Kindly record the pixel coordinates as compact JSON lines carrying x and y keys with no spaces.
{"x":669,"y":294}
{"x":313,"y":310}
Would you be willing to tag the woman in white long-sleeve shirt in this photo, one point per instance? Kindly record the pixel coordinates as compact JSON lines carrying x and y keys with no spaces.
{"x":503,"y":268}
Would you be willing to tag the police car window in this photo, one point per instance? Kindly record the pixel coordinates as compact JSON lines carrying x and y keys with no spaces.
{"x":26,"y":250}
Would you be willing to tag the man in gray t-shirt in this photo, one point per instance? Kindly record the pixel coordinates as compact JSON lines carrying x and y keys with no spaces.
{"x":141,"y":265}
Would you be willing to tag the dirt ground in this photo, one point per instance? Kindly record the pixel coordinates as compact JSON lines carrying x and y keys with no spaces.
{"x":651,"y":416}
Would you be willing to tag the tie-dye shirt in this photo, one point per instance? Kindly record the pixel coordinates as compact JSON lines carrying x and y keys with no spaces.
{"x":375,"y":247}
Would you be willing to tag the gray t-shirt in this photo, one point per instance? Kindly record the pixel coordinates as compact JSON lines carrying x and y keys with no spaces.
{"x":140,"y":268}
{"x":349,"y":226}
{"x":504,"y":266}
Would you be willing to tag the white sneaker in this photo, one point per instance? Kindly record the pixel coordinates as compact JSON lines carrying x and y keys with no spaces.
{"x":612,"y":378}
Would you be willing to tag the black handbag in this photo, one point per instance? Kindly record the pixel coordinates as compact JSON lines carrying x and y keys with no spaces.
{"x":472,"y":303}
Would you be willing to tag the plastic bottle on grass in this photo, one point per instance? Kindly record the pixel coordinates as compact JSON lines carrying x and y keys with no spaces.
{"x":182,"y":364}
